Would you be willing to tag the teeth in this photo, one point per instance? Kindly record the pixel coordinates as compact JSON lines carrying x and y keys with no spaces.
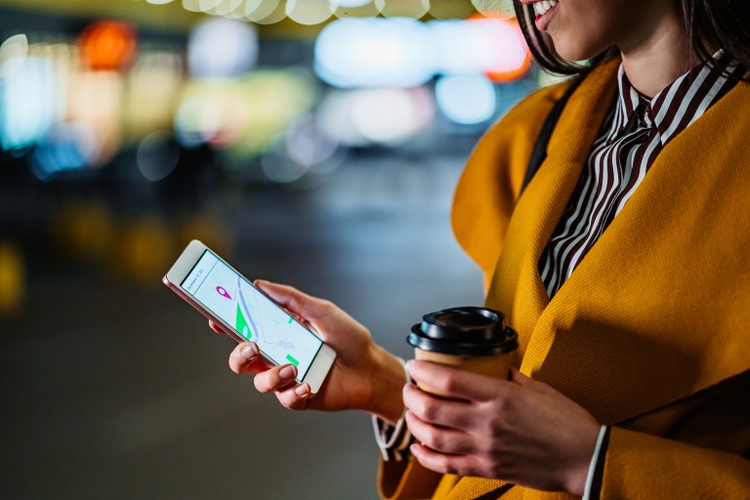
{"x":543,"y":6}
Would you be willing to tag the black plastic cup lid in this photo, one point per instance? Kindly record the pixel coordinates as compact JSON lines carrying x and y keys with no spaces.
{"x":464,"y":331}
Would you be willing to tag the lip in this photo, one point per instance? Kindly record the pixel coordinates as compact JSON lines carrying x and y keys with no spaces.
{"x":542,"y":21}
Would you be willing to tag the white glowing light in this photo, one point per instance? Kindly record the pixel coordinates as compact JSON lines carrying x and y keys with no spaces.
{"x":27,"y":103}
{"x":222,"y":49}
{"x":13,"y":51}
{"x":308,"y":11}
{"x":191,"y":5}
{"x":159,"y":2}
{"x":466,"y":99}
{"x":374,"y":53}
{"x":350,"y":4}
{"x":483,"y":46}
{"x":335,"y":118}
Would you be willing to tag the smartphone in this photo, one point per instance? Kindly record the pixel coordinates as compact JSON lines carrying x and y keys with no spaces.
{"x":245,"y":313}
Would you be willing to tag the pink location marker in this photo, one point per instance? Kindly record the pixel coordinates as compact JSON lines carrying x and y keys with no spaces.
{"x":223,"y":292}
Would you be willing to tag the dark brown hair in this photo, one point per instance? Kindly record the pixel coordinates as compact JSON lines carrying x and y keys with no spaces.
{"x":708,"y":23}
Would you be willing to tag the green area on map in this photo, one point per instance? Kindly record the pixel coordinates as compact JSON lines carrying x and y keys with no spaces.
{"x":241,"y":324}
{"x":292,"y":360}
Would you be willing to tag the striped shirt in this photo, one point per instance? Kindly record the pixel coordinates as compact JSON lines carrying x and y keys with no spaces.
{"x":633,"y":134}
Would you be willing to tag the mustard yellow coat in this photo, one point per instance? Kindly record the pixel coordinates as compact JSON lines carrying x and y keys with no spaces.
{"x":651,"y":333}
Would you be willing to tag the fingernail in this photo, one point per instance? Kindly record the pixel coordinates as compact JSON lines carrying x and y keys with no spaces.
{"x":301,"y":390}
{"x":288,"y":372}
{"x":409,"y":366}
{"x":250,"y":351}
{"x":413,"y":449}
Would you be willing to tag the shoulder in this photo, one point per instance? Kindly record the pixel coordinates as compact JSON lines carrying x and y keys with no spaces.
{"x":491,"y":182}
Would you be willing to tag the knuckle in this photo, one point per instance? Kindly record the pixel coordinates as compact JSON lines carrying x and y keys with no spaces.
{"x":450,"y":383}
{"x":429,"y":410}
{"x":434,"y":440}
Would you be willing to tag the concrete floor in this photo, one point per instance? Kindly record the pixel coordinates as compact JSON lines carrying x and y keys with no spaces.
{"x":116,"y":391}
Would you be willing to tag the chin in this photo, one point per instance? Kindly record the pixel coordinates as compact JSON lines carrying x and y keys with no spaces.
{"x":574,"y":49}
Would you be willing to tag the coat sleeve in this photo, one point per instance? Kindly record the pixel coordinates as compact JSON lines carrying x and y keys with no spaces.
{"x":642,"y":466}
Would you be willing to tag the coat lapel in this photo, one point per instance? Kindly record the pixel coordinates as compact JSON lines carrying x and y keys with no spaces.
{"x":516,"y":288}
{"x":658,"y":308}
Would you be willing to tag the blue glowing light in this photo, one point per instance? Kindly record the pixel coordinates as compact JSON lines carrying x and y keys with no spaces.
{"x":27,"y":103}
{"x":466,"y":99}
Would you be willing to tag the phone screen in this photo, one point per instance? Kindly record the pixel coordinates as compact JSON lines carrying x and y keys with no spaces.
{"x":255,"y":317}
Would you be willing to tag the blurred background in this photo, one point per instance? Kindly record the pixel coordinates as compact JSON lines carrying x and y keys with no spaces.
{"x":311,"y":142}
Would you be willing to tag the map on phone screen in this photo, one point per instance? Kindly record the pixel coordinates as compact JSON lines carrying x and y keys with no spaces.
{"x":255,"y":317}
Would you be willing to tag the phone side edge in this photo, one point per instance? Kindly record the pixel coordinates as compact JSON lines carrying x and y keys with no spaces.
{"x":321,"y":365}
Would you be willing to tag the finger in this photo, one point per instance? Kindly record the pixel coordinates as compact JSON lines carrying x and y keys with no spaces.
{"x":275,"y":379}
{"x":245,"y":359}
{"x":216,"y":327}
{"x":456,"y":383}
{"x":438,"y":411}
{"x":461,"y":465}
{"x":306,"y":306}
{"x":439,"y":439}
{"x":294,"y":398}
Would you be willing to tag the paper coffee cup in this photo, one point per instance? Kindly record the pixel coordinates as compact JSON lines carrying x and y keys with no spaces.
{"x":474,"y":339}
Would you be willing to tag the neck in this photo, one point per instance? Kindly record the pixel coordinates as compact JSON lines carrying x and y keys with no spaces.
{"x":658,"y":53}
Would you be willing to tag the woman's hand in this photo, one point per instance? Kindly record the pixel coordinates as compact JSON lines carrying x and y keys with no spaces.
{"x":518,"y":430}
{"x":364,"y":375}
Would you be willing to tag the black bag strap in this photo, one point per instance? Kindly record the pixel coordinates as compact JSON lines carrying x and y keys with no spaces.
{"x":539,"y":154}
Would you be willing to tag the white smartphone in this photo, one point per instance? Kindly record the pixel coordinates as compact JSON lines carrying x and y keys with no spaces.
{"x":245,"y":313}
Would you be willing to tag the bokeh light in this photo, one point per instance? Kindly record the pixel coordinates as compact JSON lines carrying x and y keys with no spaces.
{"x":269,"y":12}
{"x":157,"y":155}
{"x":307,"y":143}
{"x":511,"y":60}
{"x":466,"y":99}
{"x":108,"y":45}
{"x":222,"y":49}
{"x":308,"y":11}
{"x":390,"y":116}
{"x":374,"y":53}
{"x":451,"y":9}
{"x":152,"y":88}
{"x":279,"y":167}
{"x":403,"y":8}
{"x":354,"y":8}
{"x":69,"y":146}
{"x":13,"y":51}
{"x":502,"y":9}
{"x":245,"y":114}
{"x":96,"y":97}
{"x":12,"y":278}
{"x":27,"y":103}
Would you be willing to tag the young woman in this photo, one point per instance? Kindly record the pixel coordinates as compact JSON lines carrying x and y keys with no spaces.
{"x":623,"y":266}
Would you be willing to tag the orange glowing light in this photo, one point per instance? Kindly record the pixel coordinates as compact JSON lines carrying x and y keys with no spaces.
{"x":107,"y":45}
{"x":511,"y":58}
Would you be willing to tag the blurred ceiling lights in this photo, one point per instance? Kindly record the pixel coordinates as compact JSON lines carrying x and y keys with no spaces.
{"x":313,"y":12}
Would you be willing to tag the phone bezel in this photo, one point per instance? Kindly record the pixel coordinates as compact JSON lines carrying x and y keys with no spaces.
{"x":321,"y":363}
